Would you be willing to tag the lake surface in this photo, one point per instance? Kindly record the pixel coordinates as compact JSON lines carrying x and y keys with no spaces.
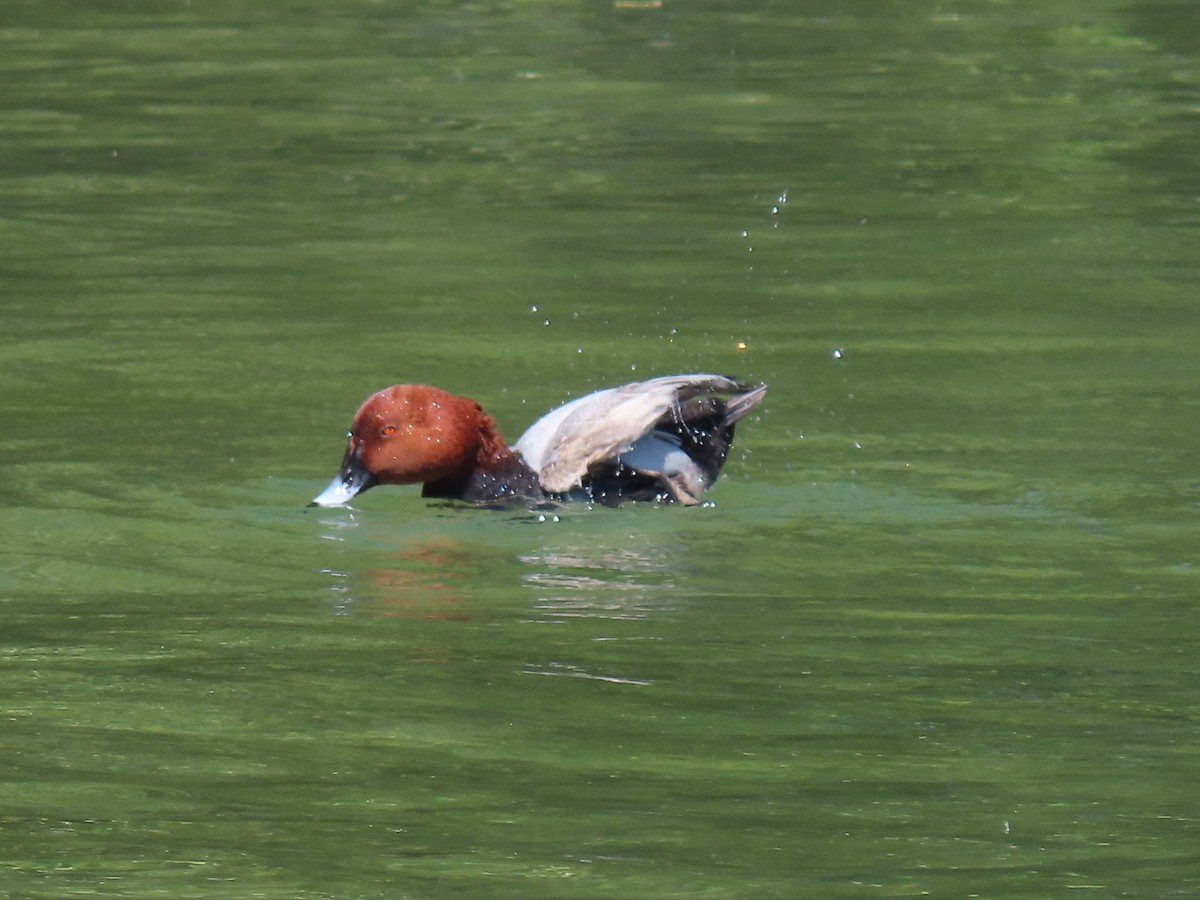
{"x":934,"y":634}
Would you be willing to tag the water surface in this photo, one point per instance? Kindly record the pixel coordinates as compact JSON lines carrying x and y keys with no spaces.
{"x":932,"y":636}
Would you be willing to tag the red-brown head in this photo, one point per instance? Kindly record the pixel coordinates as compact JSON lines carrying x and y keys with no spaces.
{"x":409,"y":434}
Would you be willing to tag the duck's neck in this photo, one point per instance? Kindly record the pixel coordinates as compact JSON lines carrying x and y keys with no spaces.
{"x":496,"y":475}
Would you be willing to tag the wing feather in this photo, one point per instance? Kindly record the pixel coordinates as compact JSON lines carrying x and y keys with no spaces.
{"x":561,"y":445}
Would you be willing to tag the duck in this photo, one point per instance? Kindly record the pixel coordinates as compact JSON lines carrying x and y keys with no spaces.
{"x":664,"y":439}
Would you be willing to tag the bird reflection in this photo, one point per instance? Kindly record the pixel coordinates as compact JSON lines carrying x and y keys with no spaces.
{"x":574,"y":582}
{"x":425,"y":581}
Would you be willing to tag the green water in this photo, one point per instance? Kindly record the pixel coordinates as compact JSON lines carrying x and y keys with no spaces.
{"x":936,"y":633}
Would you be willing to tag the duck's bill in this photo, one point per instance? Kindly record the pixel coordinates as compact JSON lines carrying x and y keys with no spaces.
{"x":352,"y":480}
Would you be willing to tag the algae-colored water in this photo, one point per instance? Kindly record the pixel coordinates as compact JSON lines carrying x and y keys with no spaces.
{"x":935,"y":634}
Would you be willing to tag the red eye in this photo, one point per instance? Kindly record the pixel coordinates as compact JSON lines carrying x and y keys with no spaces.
{"x":388,"y":430}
